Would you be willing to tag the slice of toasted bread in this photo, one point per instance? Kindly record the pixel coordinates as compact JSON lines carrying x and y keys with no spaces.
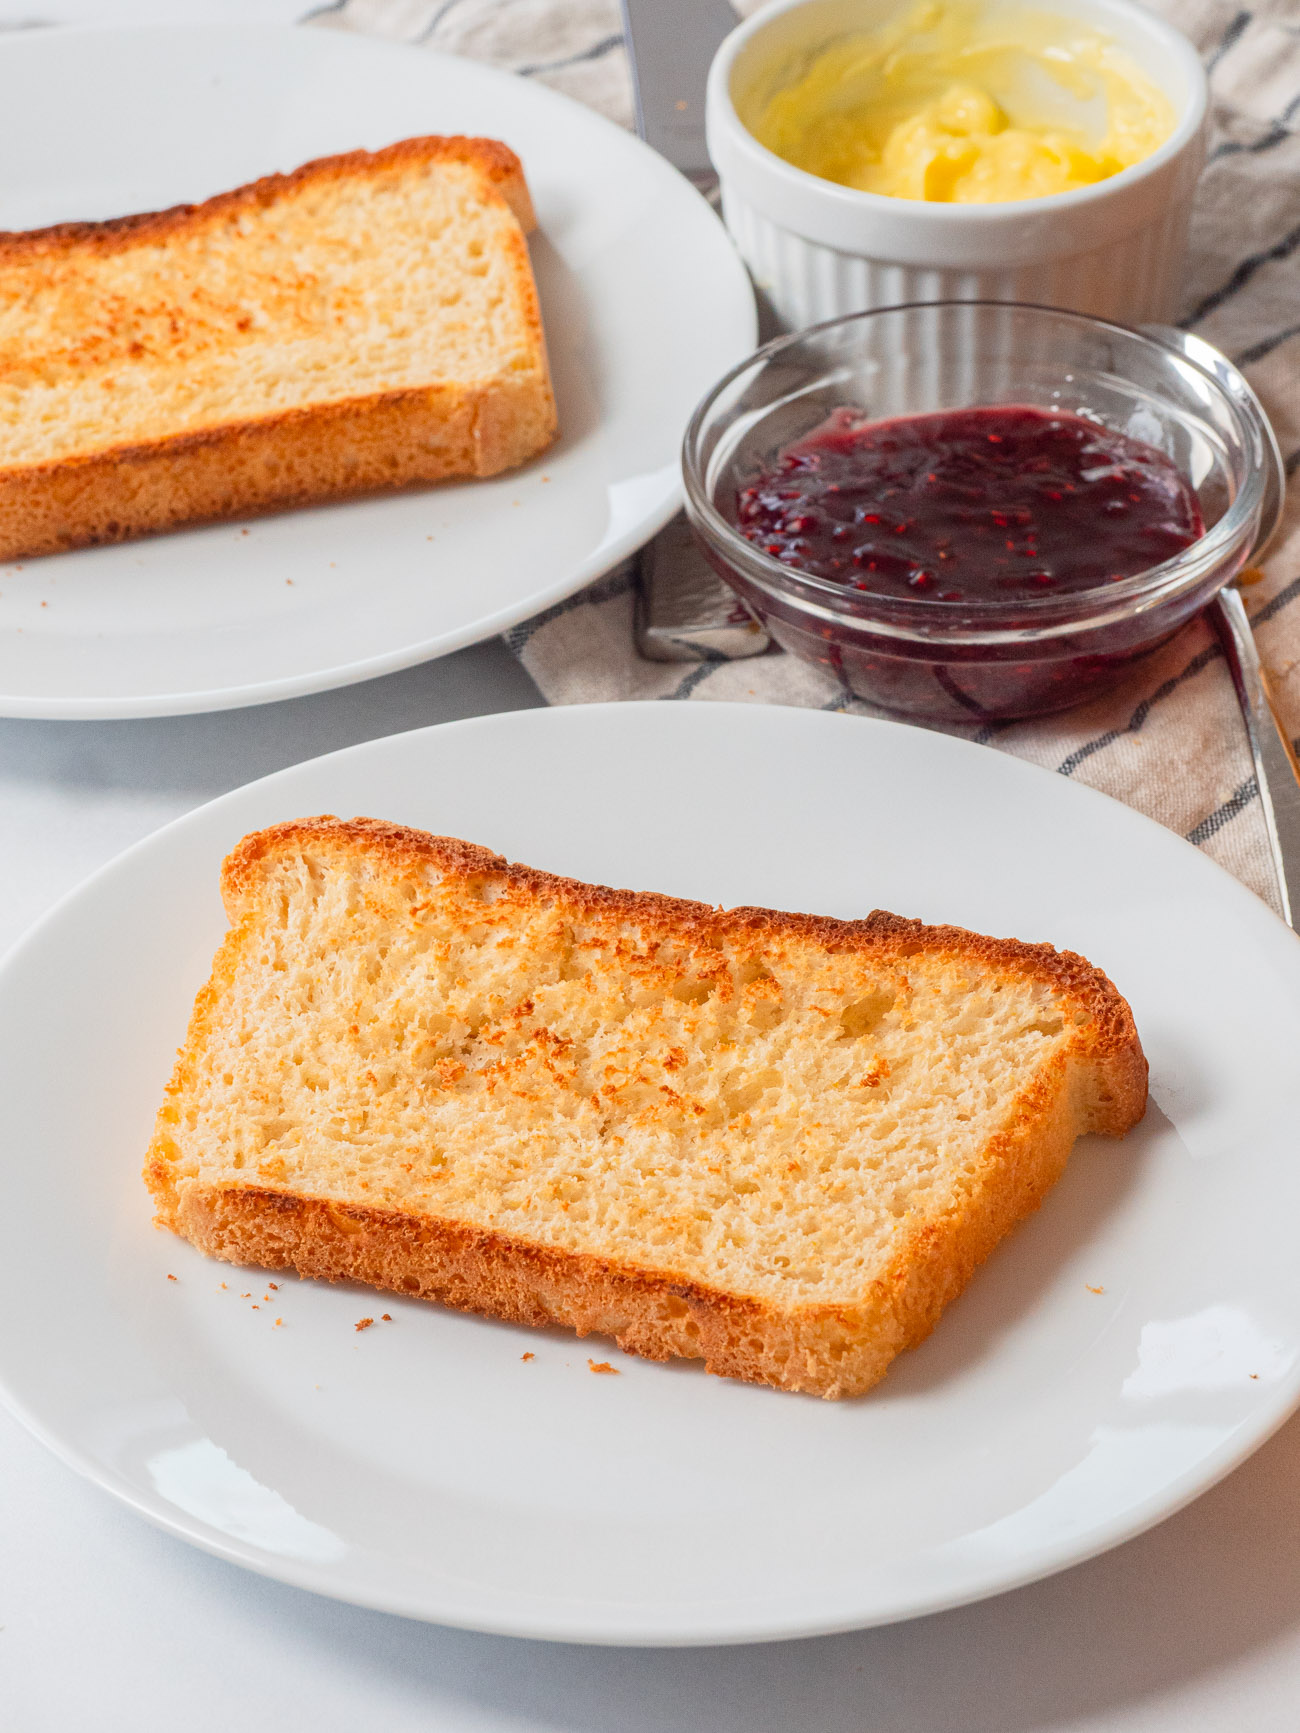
{"x":367,"y":322}
{"x":778,"y":1142}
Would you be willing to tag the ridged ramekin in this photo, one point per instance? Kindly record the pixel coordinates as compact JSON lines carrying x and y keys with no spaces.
{"x":818,"y":250}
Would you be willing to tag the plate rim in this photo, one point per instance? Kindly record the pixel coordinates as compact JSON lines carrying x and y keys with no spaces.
{"x":1273,"y":1411}
{"x":25,"y":706}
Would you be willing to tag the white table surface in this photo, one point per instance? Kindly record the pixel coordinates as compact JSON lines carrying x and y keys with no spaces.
{"x":107,"y":1626}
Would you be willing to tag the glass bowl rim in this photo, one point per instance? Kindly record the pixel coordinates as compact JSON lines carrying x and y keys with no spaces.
{"x":1157,"y":582}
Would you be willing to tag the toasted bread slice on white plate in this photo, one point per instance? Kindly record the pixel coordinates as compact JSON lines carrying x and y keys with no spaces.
{"x":367,"y":322}
{"x":777,"y":1142}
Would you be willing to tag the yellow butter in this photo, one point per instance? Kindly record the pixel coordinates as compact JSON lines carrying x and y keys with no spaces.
{"x":964,"y":103}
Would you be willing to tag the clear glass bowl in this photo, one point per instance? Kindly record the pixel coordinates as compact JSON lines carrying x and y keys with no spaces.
{"x":984,"y":658}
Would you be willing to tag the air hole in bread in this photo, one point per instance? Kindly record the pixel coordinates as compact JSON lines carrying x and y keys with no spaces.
{"x":865,"y":1015}
{"x":693,"y":992}
{"x":345,"y":1223}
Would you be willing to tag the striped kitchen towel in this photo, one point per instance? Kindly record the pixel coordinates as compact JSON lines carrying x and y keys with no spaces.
{"x":1170,"y":741}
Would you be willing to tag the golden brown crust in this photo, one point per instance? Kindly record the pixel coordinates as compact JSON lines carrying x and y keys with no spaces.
{"x":393,"y":440}
{"x":500,"y":167}
{"x":1108,"y":1039}
{"x":820,"y":1350}
{"x":380,"y":442}
{"x":831,"y":1350}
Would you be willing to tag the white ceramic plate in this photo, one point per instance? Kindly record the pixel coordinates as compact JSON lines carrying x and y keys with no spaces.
{"x":1120,"y":1352}
{"x":644,"y":301}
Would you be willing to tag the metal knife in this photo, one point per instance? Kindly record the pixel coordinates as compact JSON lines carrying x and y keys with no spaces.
{"x":670,"y":48}
{"x":685,"y":613}
{"x":1277,"y":770}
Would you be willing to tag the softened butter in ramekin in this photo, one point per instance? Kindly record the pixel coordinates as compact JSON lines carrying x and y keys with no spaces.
{"x":964,"y":103}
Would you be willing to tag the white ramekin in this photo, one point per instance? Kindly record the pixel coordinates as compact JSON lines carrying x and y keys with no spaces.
{"x":817,"y":250}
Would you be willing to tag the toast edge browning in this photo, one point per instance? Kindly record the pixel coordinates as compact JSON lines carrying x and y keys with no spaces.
{"x":1108,"y":1040}
{"x":299,"y":457}
{"x":501,"y":170}
{"x":830,"y":1351}
{"x":296,"y":457}
{"x":1097,"y":1084}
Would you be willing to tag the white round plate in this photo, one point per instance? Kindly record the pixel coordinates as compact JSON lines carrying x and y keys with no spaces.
{"x":1121,"y":1352}
{"x":644,"y":301}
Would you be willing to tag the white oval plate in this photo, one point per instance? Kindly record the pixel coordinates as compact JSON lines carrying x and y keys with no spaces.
{"x":644,"y":301}
{"x":1121,"y":1352}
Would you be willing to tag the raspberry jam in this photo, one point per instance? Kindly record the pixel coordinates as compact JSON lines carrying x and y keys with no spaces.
{"x":957,"y":565}
{"x":970,"y":504}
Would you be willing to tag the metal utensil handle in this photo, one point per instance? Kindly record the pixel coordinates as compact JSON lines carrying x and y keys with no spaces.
{"x":670,"y":48}
{"x":1277,"y":772}
{"x":685,"y":613}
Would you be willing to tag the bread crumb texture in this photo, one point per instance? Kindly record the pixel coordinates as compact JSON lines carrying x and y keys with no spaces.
{"x":778,"y":1142}
{"x":366,"y":322}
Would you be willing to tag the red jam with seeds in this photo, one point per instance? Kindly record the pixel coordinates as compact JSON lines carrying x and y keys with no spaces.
{"x":970,"y":504}
{"x":983,"y":526}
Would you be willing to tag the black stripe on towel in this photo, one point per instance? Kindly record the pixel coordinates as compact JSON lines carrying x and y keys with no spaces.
{"x":1253,"y":262}
{"x":597,"y":51}
{"x":440,"y":13}
{"x":1081,"y":754}
{"x":1214,"y":822}
{"x":1229,"y":40}
{"x":697,"y":676}
{"x":1266,"y":346}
